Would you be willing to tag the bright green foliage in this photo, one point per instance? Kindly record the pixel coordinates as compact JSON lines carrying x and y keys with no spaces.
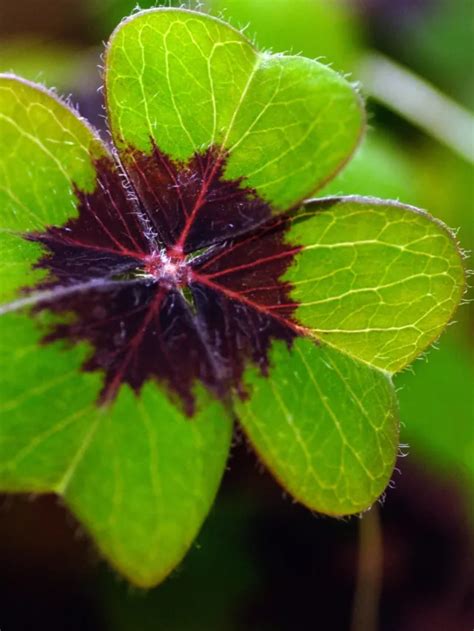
{"x":376,"y":283}
{"x":140,"y":476}
{"x":49,"y":148}
{"x":331,"y":435}
{"x":375,"y":279}
{"x":440,"y":388}
{"x":18,"y":257}
{"x":287,"y":123}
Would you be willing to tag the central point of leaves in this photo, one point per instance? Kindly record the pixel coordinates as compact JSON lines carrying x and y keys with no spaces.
{"x":180,"y":283}
{"x":169,"y":270}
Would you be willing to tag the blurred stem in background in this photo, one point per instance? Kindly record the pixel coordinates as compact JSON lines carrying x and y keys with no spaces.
{"x":415,"y":99}
{"x":365,"y":612}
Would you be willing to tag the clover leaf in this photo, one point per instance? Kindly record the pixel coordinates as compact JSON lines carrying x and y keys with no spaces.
{"x":158,"y":290}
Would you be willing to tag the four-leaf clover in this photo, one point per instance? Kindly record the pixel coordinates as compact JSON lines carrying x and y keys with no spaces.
{"x":157,"y":290}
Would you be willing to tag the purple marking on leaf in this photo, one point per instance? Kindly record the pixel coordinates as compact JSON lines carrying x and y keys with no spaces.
{"x":109,"y":220}
{"x":191,"y":205}
{"x":122,"y":276}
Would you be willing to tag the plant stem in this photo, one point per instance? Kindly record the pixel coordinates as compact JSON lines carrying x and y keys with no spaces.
{"x":418,"y":101}
{"x":369,"y":573}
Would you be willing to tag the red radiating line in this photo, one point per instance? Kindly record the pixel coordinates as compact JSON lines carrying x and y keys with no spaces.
{"x":263,"y":288}
{"x":111,"y":390}
{"x":267,"y":259}
{"x":300,"y":330}
{"x":172,"y":175}
{"x":256,"y":234}
{"x":163,"y":213}
{"x":283,"y":305}
{"x":144,"y":179}
{"x":105,"y":229}
{"x":106,"y":190}
{"x":123,"y":252}
{"x":201,"y":198}
{"x":228,"y":250}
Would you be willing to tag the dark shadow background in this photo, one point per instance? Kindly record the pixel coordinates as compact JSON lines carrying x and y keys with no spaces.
{"x":261,"y":561}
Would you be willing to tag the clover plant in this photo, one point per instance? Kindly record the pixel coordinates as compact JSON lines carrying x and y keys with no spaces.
{"x":177,"y":280}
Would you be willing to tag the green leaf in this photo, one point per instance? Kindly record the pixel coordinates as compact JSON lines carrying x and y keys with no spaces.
{"x":46,"y":147}
{"x":371,"y":283}
{"x":189,"y":82}
{"x":377,"y":280}
{"x":139,"y":475}
{"x":325,"y":425}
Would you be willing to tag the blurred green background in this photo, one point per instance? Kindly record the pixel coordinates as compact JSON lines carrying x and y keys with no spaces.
{"x":262,"y":562}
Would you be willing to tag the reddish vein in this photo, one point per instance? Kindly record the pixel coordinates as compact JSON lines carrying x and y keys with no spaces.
{"x":134,"y":343}
{"x":267,"y":259}
{"x":201,"y":198}
{"x":122,"y":220}
{"x":234,"y":295}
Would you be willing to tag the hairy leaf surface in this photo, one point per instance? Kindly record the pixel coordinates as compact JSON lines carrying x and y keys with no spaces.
{"x":375,"y":279}
{"x":139,"y":476}
{"x":187,"y":83}
{"x":156,"y":291}
{"x":331,"y":416}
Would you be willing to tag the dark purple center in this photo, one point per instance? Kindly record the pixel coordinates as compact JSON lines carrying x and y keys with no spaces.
{"x":172,"y":273}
